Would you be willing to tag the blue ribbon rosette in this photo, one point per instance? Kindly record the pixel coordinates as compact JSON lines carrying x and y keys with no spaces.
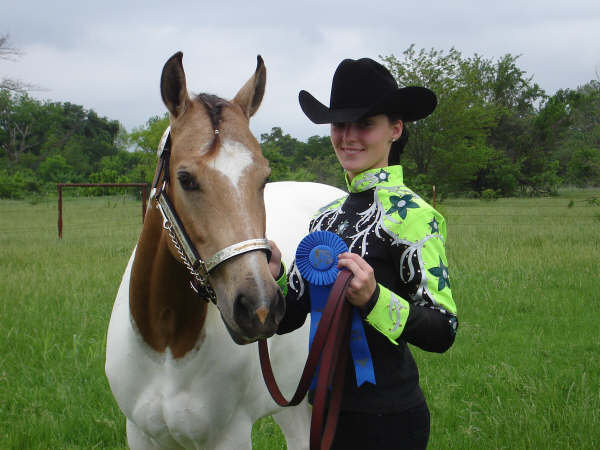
{"x":316,"y":259}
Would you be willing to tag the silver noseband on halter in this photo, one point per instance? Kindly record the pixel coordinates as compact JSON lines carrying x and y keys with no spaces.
{"x":199,"y":268}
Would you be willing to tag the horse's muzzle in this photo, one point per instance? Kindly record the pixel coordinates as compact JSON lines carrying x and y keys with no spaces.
{"x":258,"y":319}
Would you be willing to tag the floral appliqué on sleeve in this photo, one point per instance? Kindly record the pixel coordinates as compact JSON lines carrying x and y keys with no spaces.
{"x":441,"y":273}
{"x":401,"y":205}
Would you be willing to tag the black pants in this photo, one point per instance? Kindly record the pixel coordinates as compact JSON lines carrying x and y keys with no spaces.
{"x":405,"y":430}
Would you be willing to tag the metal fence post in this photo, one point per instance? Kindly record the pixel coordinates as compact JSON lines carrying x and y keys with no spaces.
{"x":144,"y":187}
{"x":59,"y":211}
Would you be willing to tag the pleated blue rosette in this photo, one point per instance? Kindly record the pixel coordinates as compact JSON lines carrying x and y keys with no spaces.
{"x":316,"y":259}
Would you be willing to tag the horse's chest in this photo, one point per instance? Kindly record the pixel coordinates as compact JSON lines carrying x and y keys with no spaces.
{"x":192,"y":398}
{"x":187,"y":415}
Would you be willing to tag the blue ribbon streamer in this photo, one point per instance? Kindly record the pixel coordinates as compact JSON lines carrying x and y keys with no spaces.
{"x":363,"y":362}
{"x":316,"y":258}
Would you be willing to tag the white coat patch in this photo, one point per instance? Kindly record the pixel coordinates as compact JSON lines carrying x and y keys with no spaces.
{"x":232,"y":160}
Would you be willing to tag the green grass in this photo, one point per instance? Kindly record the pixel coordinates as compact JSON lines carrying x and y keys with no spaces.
{"x":524,"y":371}
{"x":54,"y":310}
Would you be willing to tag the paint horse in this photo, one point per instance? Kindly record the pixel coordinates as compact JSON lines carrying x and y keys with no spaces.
{"x":174,"y":360}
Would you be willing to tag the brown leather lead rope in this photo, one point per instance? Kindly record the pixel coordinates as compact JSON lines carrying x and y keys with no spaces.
{"x":331,"y":373}
{"x":331,"y":346}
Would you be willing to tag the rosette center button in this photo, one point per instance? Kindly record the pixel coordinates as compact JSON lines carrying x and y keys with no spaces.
{"x":322,"y":257}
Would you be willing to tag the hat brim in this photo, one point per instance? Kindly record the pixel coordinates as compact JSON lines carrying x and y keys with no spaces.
{"x":318,"y":113}
{"x":411,"y":103}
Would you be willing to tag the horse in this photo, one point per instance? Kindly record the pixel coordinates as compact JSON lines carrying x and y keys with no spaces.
{"x":177,"y":356}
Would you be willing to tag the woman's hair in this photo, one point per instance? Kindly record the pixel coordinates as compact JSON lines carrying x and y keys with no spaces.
{"x":397,"y":146}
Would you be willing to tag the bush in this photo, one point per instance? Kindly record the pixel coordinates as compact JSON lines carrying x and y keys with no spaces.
{"x":583,"y":169}
{"x":18,"y":184}
{"x":546,"y":182}
{"x":55,"y":169}
{"x":500,"y":174}
{"x":489,"y":194}
{"x":472,"y":194}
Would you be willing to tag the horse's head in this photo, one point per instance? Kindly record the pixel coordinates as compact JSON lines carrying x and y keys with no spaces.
{"x":217,"y":175}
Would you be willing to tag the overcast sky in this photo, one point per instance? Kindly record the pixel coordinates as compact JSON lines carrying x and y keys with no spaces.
{"x":108,"y":55}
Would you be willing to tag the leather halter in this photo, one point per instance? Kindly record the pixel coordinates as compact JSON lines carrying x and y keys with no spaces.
{"x":198,"y":267}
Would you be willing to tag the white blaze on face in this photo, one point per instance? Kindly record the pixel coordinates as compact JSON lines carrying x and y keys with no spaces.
{"x":232,"y":160}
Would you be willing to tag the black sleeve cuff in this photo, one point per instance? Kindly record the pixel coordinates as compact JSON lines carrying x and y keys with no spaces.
{"x":430,"y":329}
{"x":364,"y":312}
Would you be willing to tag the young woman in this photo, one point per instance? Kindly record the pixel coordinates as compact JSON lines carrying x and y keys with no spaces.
{"x":401,"y":287}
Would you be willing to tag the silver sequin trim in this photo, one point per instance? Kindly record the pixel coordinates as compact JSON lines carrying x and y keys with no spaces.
{"x":295,"y":281}
{"x":394,"y":309}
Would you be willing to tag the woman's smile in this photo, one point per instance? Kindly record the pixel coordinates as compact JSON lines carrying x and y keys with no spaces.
{"x":351,"y":150}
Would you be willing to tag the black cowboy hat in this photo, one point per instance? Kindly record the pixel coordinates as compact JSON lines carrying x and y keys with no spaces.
{"x":363,"y":88}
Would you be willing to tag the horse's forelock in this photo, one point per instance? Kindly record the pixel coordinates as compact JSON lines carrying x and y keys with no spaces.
{"x":214,"y":106}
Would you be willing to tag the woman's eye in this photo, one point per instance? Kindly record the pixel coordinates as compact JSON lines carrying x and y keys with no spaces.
{"x":187,"y":181}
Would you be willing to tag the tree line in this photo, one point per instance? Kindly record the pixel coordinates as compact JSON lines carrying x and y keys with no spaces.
{"x":494,"y":131}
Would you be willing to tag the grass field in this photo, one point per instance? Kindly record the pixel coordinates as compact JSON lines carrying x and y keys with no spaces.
{"x":524,"y":371}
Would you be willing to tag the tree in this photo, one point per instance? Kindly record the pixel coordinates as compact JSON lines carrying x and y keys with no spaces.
{"x":585,"y":115}
{"x":32,"y":132}
{"x":450,"y":146}
{"x":484,"y":119}
{"x":568,"y":129}
{"x":291,"y":159}
{"x":17,"y":118}
{"x":9,"y":53}
{"x":55,"y":169}
{"x":583,"y":169}
{"x":147,"y":138}
{"x":288,"y":146}
{"x":515,"y":97}
{"x":320,"y":159}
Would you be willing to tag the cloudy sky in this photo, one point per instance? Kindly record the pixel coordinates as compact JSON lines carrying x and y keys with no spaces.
{"x":108,"y":55}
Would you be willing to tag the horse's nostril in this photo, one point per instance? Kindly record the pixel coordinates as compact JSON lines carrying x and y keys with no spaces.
{"x":251,"y":315}
{"x":258,"y":316}
{"x":262,"y":313}
{"x":242,"y":309}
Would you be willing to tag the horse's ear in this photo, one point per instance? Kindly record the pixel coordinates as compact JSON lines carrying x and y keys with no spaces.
{"x":251,"y":94}
{"x":173,"y":87}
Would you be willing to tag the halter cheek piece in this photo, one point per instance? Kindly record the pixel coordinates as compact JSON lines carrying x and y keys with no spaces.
{"x":198,"y":268}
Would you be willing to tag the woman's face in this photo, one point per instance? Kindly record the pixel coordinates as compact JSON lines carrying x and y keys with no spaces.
{"x":365,"y":144}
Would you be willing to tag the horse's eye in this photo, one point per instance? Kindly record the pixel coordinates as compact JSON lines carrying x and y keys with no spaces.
{"x":187,"y":181}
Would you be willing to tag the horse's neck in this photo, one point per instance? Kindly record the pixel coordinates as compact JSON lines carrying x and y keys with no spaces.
{"x":165,"y":309}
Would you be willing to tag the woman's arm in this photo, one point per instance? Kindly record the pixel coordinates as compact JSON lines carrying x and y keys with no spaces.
{"x":297,"y":301}
{"x":424,"y":314}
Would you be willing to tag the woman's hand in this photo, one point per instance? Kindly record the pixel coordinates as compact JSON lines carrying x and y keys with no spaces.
{"x":363,"y":284}
{"x":275,"y":261}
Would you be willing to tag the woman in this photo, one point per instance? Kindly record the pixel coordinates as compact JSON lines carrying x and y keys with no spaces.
{"x":396,"y":253}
